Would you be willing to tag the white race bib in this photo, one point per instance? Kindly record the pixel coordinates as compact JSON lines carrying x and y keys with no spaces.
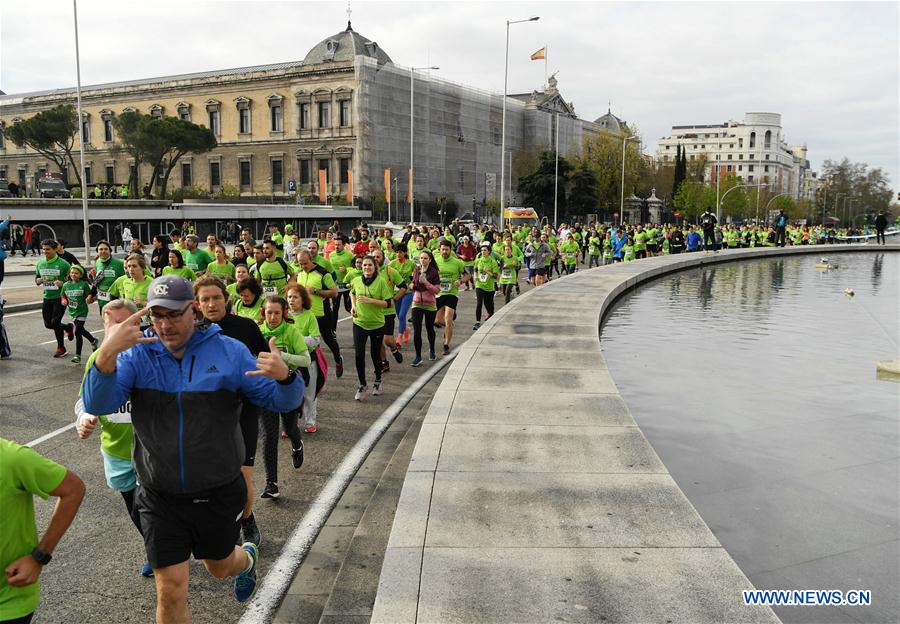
{"x":270,"y":290}
{"x":445,"y":286}
{"x":483,"y":277}
{"x":506,"y":274}
{"x":50,"y":286}
{"x":103,"y":296}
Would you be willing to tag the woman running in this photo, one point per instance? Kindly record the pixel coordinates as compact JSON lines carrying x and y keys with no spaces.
{"x":134,"y":284}
{"x":405,"y":267}
{"x":76,"y":290}
{"x":249,"y":301}
{"x":486,"y":272}
{"x":159,"y":259}
{"x":106,"y":271}
{"x":398,"y":286}
{"x":240,"y":272}
{"x":509,"y":271}
{"x":222,"y":266}
{"x":369,"y":296}
{"x":176,"y":266}
{"x":300,"y":309}
{"x":278,"y":324}
{"x":426,"y":284}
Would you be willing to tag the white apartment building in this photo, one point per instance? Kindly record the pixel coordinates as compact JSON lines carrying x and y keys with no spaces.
{"x":754,"y":150}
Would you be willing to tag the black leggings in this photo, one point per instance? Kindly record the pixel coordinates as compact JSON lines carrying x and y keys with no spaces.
{"x":128,"y":497}
{"x":326,"y":329}
{"x":418,"y":314}
{"x":487,"y":299}
{"x":53,"y":310}
{"x":375,"y":337}
{"x":81,"y":332}
{"x":507,"y":291}
{"x":271,"y":433}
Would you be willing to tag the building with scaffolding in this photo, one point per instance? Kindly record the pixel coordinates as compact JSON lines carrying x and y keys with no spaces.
{"x":343,"y":110}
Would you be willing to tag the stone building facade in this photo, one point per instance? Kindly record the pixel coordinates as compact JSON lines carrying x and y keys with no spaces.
{"x":344,"y":109}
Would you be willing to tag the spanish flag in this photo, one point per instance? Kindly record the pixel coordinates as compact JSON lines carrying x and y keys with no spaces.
{"x":540,"y":55}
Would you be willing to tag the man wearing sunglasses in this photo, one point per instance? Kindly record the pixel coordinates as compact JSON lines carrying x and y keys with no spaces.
{"x":184,"y":382}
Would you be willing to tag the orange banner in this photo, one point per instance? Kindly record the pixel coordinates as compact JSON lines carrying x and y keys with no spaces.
{"x":387,"y":185}
{"x":350,"y":186}
{"x":323,"y":192}
{"x":409,"y":195}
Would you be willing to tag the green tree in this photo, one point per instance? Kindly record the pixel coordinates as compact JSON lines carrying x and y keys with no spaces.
{"x":160,"y":142}
{"x":680,"y":171}
{"x":52,"y":134}
{"x":694,"y":197}
{"x":537,"y":187}
{"x":869,"y":189}
{"x":602,"y":153}
{"x":583,"y":197}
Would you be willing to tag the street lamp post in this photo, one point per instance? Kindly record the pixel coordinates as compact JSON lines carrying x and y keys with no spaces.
{"x":412,"y":116}
{"x":503,"y":123}
{"x":396,"y":202}
{"x":84,"y":199}
{"x":556,"y":177}
{"x":625,"y":139}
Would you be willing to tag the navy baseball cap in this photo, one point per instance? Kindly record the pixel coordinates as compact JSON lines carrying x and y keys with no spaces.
{"x":170,"y":291}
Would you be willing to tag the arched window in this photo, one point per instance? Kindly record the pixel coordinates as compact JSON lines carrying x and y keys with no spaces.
{"x":768,"y":139}
{"x":752,"y":140}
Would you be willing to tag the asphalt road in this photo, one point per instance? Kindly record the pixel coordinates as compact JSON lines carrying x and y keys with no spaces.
{"x":94,"y":575}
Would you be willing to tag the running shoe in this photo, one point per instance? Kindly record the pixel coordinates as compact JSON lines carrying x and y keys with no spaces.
{"x":439,"y":325}
{"x":397,"y":355}
{"x":446,"y":350}
{"x":431,"y":356}
{"x":406,"y":336}
{"x":416,"y":362}
{"x":250,"y":531}
{"x":297,"y":456}
{"x":76,"y":359}
{"x":476,"y":326}
{"x":311,"y":428}
{"x":271,"y":491}
{"x":60,"y":352}
{"x":339,"y":367}
{"x":146,"y":571}
{"x":245,"y":582}
{"x":385,"y":367}
{"x":362,"y":392}
{"x":70,"y":331}
{"x":376,"y":390}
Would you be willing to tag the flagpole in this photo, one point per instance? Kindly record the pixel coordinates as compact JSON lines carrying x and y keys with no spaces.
{"x":546,"y":54}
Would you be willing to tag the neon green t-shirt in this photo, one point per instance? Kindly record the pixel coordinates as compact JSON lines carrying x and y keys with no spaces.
{"x":24,"y":474}
{"x":75,"y":294}
{"x":226,"y":270}
{"x":368,"y":315}
{"x":319,"y":281}
{"x":184,"y":272}
{"x":51,"y":271}
{"x":117,"y":433}
{"x":274,"y":276}
{"x":486,"y":272}
{"x":196,"y":260}
{"x":451,"y":271}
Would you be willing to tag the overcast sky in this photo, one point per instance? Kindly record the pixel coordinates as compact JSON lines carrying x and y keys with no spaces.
{"x":830,"y":68}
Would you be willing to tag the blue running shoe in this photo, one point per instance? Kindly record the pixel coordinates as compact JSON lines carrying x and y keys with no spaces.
{"x":146,"y":571}
{"x":245,"y":582}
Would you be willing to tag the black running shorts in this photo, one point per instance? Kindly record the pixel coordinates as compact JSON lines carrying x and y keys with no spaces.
{"x":389,"y":321}
{"x":451,"y":301}
{"x":204,"y":524}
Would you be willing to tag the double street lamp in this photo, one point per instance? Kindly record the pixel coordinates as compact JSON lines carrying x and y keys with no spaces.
{"x":625,"y":140}
{"x":412,"y":117}
{"x":503,"y":130}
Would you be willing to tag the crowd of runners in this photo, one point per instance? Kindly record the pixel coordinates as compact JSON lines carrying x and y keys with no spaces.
{"x":204,"y":342}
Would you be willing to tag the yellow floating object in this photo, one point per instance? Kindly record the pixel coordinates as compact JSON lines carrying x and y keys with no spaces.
{"x":889,"y":366}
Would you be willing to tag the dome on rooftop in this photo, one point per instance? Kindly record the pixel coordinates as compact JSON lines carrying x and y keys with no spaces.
{"x":344,"y":46}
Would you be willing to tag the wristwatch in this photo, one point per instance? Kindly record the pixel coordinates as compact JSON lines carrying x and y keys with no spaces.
{"x":41,"y":557}
{"x":286,"y":381}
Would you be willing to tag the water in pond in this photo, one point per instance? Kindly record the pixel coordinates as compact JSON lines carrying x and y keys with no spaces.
{"x":755,"y":382}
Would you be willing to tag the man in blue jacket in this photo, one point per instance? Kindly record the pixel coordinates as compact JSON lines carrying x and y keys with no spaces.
{"x":184,"y":382}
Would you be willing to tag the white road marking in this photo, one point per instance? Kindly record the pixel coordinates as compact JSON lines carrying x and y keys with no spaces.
{"x":261,"y":609}
{"x":92,"y":331}
{"x":14,"y":314}
{"x":52,"y":434}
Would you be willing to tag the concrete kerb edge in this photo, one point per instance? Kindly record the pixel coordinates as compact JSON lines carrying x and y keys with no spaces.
{"x":22,"y":307}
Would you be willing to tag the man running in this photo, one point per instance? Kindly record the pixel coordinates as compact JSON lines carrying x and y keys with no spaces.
{"x":320,"y":285}
{"x":273,"y":272}
{"x":708,"y":221}
{"x":185,"y":385}
{"x":212,"y":298}
{"x":453,"y":273}
{"x":50,"y":274}
{"x":195,"y":259}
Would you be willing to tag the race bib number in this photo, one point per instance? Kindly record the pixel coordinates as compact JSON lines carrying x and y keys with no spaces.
{"x":72,"y":303}
{"x":446,"y":286}
{"x":569,"y":256}
{"x":270,"y":290}
{"x":103,"y":296}
{"x":506,"y":274}
{"x":50,"y":286}
{"x":193,"y":266}
{"x":483,"y":277}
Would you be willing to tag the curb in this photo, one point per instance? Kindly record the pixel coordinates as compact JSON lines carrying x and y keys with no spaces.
{"x":22,"y":307}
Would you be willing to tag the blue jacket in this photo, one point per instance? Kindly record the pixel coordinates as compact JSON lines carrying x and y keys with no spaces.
{"x":618,"y":245}
{"x":3,"y":227}
{"x":693,"y":241}
{"x":186,"y":413}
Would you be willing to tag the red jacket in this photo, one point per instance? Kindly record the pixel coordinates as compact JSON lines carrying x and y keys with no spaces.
{"x":466,"y":253}
{"x":361,"y":248}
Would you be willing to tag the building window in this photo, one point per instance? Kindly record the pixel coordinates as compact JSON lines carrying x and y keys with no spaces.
{"x":244,"y":121}
{"x":304,"y":172}
{"x":749,"y":178}
{"x":741,"y":142}
{"x":768,"y":143}
{"x":693,"y":156}
{"x":186,"y":177}
{"x":497,"y":137}
{"x":731,"y":146}
{"x":214,"y":122}
{"x":215,"y":174}
{"x":86,"y":129}
{"x":740,"y":167}
{"x":740,"y":157}
{"x":324,"y":114}
{"x":110,"y":174}
{"x":22,"y":176}
{"x":729,"y":156}
{"x":345,"y":170}
{"x":131,"y":172}
{"x":323,"y":164}
{"x":107,"y":130}
{"x":749,"y":167}
{"x":277,"y":173}
{"x":667,"y":147}
{"x":245,"y":174}
{"x":156,"y":111}
{"x":88,"y":177}
{"x":2,"y":137}
{"x":345,"y":113}
{"x":765,"y":168}
{"x":184,"y":111}
{"x":702,"y":147}
{"x":2,"y":172}
{"x":752,"y":140}
{"x":728,"y":168}
{"x":767,"y":157}
{"x":276,"y":117}
{"x":304,"y":116}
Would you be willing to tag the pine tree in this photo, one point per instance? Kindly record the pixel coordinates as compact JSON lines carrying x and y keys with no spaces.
{"x":680,"y":170}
